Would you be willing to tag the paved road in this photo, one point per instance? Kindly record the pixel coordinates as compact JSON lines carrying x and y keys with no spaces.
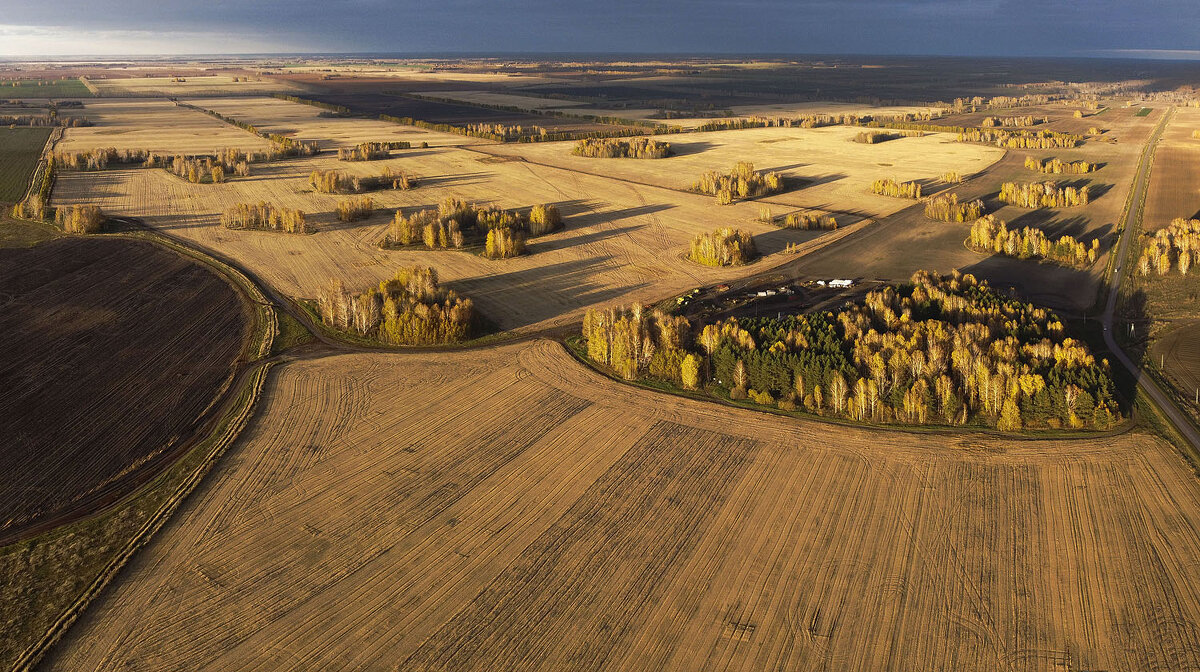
{"x":1177,"y":417}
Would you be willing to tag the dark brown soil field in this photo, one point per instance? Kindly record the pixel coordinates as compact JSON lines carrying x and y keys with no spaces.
{"x":455,"y":115}
{"x":113,"y":351}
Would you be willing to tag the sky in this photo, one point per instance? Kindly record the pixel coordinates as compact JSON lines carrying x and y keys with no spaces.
{"x":1138,"y":28}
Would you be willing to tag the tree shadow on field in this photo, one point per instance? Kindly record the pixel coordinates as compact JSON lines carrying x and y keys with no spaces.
{"x":1043,"y":284}
{"x":688,"y":148}
{"x":539,"y":245}
{"x":777,"y":240}
{"x":525,"y":297}
{"x":449,"y":180}
{"x":593,"y":218}
{"x":100,"y":184}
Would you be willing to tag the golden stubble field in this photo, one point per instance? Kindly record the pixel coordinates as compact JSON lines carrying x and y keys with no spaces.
{"x":1175,"y":182}
{"x":830,"y":170}
{"x":624,"y":241}
{"x":192,"y":85}
{"x":514,"y":510}
{"x":155,"y":125}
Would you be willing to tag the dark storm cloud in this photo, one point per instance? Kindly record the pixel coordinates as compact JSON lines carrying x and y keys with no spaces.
{"x":796,"y":26}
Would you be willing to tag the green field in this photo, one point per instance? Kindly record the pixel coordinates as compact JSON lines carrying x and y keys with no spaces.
{"x":19,"y":152}
{"x":43,"y":88}
{"x":1145,"y":111}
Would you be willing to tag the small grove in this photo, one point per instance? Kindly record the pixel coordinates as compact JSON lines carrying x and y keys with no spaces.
{"x":1057,"y":166}
{"x":409,"y":309}
{"x":264,"y":217}
{"x":945,"y":207}
{"x":371,"y":151}
{"x":1043,"y":195}
{"x":938,"y":350}
{"x":890,"y":187}
{"x":622,"y":148}
{"x":991,"y":235}
{"x":1020,"y":139}
{"x":1176,"y":246}
{"x":79,"y":218}
{"x":338,"y":182}
{"x":724,"y":247}
{"x":456,"y":224}
{"x":740,"y":182}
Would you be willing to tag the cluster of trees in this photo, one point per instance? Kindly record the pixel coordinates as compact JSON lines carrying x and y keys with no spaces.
{"x":991,"y":235}
{"x":952,"y":177}
{"x":79,"y":218}
{"x":724,"y":247}
{"x":371,"y":151}
{"x":409,"y":309}
{"x":265,"y":217}
{"x":337,"y":182}
{"x":622,"y":148}
{"x":808,"y":221}
{"x":890,"y":187}
{"x":945,"y":207}
{"x":456,"y":224}
{"x":1008,"y":122}
{"x":1196,"y":134}
{"x":503,"y":243}
{"x":876,"y":137}
{"x":1178,"y":245}
{"x":939,"y":350}
{"x":741,"y":182}
{"x":356,"y":208}
{"x":1042,"y":195}
{"x":1020,"y":139}
{"x":1057,"y":166}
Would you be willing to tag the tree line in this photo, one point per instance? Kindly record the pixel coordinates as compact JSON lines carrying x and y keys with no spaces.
{"x":338,"y":182}
{"x":622,"y":148}
{"x":804,"y":221}
{"x":1056,"y":166}
{"x":724,"y":247}
{"x":991,"y":235}
{"x":876,"y":137}
{"x":409,"y":309}
{"x":945,"y":207}
{"x":456,"y":224}
{"x":890,"y":187}
{"x":1010,"y":122}
{"x":264,"y":217}
{"x":1176,"y":246}
{"x":741,"y":182}
{"x":36,"y":204}
{"x":938,"y":350}
{"x":1043,"y":195}
{"x":371,"y":151}
{"x":1020,"y":139}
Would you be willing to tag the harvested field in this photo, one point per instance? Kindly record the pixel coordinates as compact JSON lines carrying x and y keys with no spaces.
{"x":154,"y":125}
{"x":622,"y":241}
{"x":453,"y":114}
{"x":360,"y":524}
{"x":1175,"y":182}
{"x":114,"y":350}
{"x":508,"y":99}
{"x":20,"y":149}
{"x":305,"y":123}
{"x":830,"y":171}
{"x":192,"y":85}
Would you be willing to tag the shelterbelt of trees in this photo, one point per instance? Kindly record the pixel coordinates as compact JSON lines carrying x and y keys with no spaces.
{"x":200,"y":168}
{"x":1177,"y":246}
{"x":264,"y":216}
{"x":939,"y":350}
{"x":409,"y":309}
{"x":989,"y":234}
{"x":456,"y":224}
{"x":622,"y":148}
{"x":1057,"y":166}
{"x":890,"y":187}
{"x":371,"y":151}
{"x":742,"y":181}
{"x":945,"y":207}
{"x":1043,"y":195}
{"x":337,"y":182}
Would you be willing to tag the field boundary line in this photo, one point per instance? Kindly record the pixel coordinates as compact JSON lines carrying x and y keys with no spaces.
{"x":223,"y":438}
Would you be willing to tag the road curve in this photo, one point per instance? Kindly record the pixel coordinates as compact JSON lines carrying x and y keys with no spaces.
{"x":1141,"y":183}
